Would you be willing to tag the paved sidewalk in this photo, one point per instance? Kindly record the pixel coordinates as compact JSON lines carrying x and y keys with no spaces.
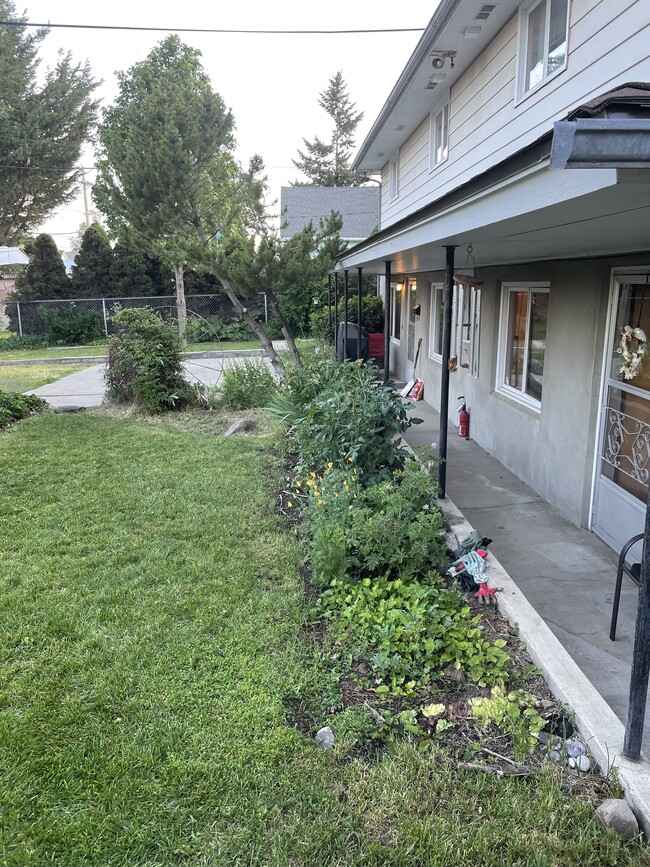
{"x":87,"y":387}
{"x":565,"y":572}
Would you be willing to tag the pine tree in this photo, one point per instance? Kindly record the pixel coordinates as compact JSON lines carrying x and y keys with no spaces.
{"x":44,"y":121}
{"x":328,"y":165}
{"x":44,"y":277}
{"x":130,"y":274}
{"x":91,"y":272}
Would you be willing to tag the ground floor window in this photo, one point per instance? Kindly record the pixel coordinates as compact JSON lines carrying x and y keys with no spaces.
{"x":524,"y":317}
{"x":469,"y":318}
{"x":436,"y":310}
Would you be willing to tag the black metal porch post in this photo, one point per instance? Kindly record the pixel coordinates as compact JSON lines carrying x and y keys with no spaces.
{"x":444,"y":382}
{"x":345,"y":315}
{"x":329,"y":303}
{"x":641,"y":656}
{"x":387,"y":324}
{"x":359,"y":284}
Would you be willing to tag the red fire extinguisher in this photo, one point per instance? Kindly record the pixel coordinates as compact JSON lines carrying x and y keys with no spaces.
{"x":463,"y":418}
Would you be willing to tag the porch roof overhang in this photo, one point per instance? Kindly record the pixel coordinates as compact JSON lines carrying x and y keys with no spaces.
{"x":520,"y":211}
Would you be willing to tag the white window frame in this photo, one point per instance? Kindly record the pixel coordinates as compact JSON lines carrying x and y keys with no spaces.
{"x":503,"y":352}
{"x":524,"y":14}
{"x":436,"y":297}
{"x":393,"y":179}
{"x":393,"y":292}
{"x":441,"y":111}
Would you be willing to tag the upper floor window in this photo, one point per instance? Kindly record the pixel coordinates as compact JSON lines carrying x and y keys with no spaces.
{"x":524,"y":317}
{"x":393,"y":179}
{"x":439,"y":136}
{"x":543,"y":42}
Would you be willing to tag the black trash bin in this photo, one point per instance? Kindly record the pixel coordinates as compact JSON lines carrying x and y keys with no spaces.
{"x":351,"y":342}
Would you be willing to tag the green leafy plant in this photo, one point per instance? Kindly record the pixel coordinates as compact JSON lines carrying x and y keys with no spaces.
{"x":515,"y":713}
{"x":372,"y":317}
{"x":14,"y":407}
{"x":145,"y":362}
{"x":68,"y":326}
{"x":199,"y":330}
{"x":413,"y":631}
{"x":247,"y":384}
{"x":29,"y":341}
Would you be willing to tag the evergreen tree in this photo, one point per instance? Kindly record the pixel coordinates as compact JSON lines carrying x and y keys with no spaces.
{"x":44,"y":277}
{"x":44,"y":121}
{"x":328,"y":164}
{"x":130,"y":274}
{"x":91,"y":272}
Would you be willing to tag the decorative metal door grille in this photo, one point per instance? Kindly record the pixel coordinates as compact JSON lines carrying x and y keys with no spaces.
{"x":626,"y":445}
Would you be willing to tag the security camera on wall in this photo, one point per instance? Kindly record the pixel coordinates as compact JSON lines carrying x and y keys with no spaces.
{"x":437,"y":62}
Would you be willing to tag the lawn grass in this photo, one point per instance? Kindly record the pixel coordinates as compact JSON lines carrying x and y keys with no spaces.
{"x":23,"y":377}
{"x":151,"y":634}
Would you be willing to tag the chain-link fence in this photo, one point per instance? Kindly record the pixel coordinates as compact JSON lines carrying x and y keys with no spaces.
{"x":34,"y":317}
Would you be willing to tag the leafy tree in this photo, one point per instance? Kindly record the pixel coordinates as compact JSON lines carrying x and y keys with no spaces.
{"x":44,"y":121}
{"x":91,"y":272}
{"x":44,"y":277}
{"x":165,"y":145}
{"x":130,"y":275}
{"x":328,"y":164}
{"x":167,"y":172}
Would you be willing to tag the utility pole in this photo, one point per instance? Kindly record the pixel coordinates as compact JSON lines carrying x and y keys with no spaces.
{"x":84,"y":184}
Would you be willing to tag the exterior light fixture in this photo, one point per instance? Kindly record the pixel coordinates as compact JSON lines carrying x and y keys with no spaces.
{"x":439,"y":57}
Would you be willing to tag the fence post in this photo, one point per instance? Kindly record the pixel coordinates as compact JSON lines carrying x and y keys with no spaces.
{"x":104,"y":314}
{"x":266,"y":310}
{"x":20,"y":321}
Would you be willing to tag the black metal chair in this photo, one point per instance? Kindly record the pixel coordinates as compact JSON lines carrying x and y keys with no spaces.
{"x":633,"y":571}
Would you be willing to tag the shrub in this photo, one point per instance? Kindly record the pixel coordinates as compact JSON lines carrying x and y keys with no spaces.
{"x":29,"y":341}
{"x":342,"y":411}
{"x":145,"y":362}
{"x":68,"y":326}
{"x":213,"y":328}
{"x":372,"y":317}
{"x":247,"y":385}
{"x":14,"y":407}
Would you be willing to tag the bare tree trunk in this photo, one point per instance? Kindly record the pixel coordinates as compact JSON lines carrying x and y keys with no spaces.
{"x":252,"y":323}
{"x":286,"y":328}
{"x":181,"y":306}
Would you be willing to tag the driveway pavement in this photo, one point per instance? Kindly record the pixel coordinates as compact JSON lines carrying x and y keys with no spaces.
{"x":87,"y":387}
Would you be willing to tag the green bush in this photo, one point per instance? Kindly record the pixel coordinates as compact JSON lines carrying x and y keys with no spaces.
{"x":29,"y":341}
{"x":14,"y":407}
{"x":68,"y":326}
{"x":213,"y":328}
{"x":145,"y":362}
{"x":247,"y":385}
{"x":389,"y":529}
{"x":341,"y":412}
{"x":372,"y":317}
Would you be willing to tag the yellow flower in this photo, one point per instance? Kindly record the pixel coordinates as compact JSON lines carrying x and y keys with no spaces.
{"x":330,"y":465}
{"x":350,"y":460}
{"x":289,"y":503}
{"x":312,"y":474}
{"x":319,"y":502}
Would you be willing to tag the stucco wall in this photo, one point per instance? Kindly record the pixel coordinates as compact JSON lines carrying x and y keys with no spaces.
{"x":551,"y":450}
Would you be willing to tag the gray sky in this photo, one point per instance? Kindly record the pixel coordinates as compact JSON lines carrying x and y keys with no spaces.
{"x":270,"y":82}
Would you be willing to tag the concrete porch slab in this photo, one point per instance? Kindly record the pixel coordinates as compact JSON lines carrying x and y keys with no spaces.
{"x":558,"y":584}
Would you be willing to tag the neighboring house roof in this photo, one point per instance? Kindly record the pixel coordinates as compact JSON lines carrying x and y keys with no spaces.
{"x":358,"y":206}
{"x":12,"y":256}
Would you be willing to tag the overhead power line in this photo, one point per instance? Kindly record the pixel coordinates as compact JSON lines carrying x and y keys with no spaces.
{"x":213,"y":29}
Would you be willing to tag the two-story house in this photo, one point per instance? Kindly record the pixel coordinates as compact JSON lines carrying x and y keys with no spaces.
{"x":559,"y":258}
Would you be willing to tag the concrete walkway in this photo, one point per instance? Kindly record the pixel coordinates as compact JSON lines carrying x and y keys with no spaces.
{"x":566,"y":573}
{"x":87,"y":387}
{"x":557,"y":586}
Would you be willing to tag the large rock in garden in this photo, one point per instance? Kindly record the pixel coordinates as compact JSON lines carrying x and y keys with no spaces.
{"x":240,"y":426}
{"x":615,"y":813}
{"x":325,"y":738}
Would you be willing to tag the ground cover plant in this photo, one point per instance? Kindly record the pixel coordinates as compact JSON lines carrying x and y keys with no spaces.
{"x":24,"y":377}
{"x":14,"y":407}
{"x":155,"y":645}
